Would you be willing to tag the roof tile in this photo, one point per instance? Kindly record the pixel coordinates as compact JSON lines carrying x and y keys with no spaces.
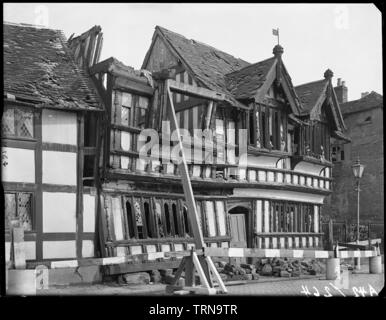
{"x":38,"y":64}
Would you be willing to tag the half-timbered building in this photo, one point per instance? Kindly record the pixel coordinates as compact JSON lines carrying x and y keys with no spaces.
{"x":44,"y":144}
{"x":273,"y":200}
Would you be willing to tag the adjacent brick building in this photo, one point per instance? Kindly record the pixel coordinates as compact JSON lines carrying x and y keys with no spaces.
{"x":364,"y":122}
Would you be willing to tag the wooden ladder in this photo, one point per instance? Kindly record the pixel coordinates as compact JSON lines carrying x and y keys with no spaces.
{"x":203,"y":264}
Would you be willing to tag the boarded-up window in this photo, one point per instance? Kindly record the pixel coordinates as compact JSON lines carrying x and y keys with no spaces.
{"x":158,"y":216}
{"x":210,"y":218}
{"x":220,"y":212}
{"x":175,"y":220}
{"x":18,"y":122}
{"x":186,"y":221}
{"x":18,"y":206}
{"x":149,"y":225}
{"x":130,"y":220}
{"x":167,"y":218}
{"x":138,"y":218}
{"x":220,"y":139}
{"x":143,"y":104}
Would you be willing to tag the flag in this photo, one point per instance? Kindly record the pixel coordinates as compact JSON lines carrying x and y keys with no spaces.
{"x":275,"y":32}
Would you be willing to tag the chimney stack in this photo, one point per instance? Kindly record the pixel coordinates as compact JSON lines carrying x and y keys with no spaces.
{"x":364,"y":94}
{"x":341,"y":91}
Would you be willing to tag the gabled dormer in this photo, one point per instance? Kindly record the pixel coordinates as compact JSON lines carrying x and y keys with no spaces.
{"x":267,"y":89}
{"x":322,"y":119}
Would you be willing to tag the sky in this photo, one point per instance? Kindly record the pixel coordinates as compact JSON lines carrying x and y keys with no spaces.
{"x":346,"y":38}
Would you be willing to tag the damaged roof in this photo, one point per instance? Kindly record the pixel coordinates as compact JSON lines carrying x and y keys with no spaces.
{"x":208,"y":64}
{"x":38,"y":65}
{"x":372,"y":100}
{"x":309,"y":93}
{"x":244,"y":83}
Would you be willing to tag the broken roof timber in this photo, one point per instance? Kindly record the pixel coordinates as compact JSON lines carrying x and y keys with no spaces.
{"x":196,"y":91}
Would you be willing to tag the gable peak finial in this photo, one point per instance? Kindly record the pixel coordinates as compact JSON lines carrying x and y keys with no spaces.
{"x":278,"y":50}
{"x":328,"y":74}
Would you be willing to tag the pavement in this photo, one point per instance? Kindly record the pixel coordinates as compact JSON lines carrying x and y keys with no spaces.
{"x":355,"y":284}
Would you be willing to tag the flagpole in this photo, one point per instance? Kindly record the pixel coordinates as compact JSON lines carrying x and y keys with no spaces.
{"x":278,"y":42}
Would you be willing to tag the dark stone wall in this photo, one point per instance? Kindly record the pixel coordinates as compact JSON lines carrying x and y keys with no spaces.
{"x":367,"y":143}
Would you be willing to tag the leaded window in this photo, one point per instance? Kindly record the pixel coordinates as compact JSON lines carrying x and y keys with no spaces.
{"x":18,"y":122}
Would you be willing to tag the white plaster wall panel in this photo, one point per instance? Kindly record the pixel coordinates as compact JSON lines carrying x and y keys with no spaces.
{"x":59,"y":167}
{"x":196,"y":171}
{"x":59,"y":249}
{"x":262,"y":176}
{"x":282,"y":242}
{"x":125,"y":141}
{"x":259,"y":243}
{"x":327,"y":184}
{"x":304,"y":242}
{"x":259,"y":216}
{"x":316,"y":241}
{"x":121,"y":251}
{"x":262,"y":161}
{"x":295,"y":178}
{"x":274,"y":242}
{"x":288,"y":178}
{"x":165,"y":247}
{"x":309,"y":181}
{"x":296,"y":242}
{"x":315,"y":182}
{"x":302,"y":180}
{"x":59,"y":212}
{"x":321,"y":183}
{"x":87,"y":249}
{"x":310,"y":168}
{"x":135,"y":249}
{"x":266,"y":243}
{"x":210,"y":218}
{"x":278,"y":195}
{"x":316,"y":219}
{"x":30,"y":250}
{"x":289,"y":243}
{"x":117,"y":216}
{"x":224,"y":245}
{"x":207,"y":172}
{"x":310,"y":241}
{"x":125,"y":161}
{"x":151,"y":248}
{"x":220,"y":212}
{"x":20,"y":165}
{"x":190,"y":246}
{"x":179,"y":247}
{"x":242,"y":173}
{"x":252,"y":175}
{"x":88,"y":213}
{"x":7,"y":251}
{"x":59,"y":127}
{"x":280,"y":177}
{"x":266,"y":216}
{"x":213,"y":245}
{"x":271,"y":176}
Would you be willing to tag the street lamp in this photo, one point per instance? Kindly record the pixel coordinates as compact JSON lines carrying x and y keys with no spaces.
{"x":357,"y":169}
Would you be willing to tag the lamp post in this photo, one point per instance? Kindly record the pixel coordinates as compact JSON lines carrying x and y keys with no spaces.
{"x":357,"y":169}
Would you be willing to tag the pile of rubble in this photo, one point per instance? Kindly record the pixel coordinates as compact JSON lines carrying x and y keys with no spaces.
{"x":276,"y":267}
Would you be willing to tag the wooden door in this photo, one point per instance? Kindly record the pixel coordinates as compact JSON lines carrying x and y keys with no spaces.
{"x":238,"y":231}
{"x":238,"y":234}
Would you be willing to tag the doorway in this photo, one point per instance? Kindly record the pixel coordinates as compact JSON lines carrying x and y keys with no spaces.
{"x":238,"y":229}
